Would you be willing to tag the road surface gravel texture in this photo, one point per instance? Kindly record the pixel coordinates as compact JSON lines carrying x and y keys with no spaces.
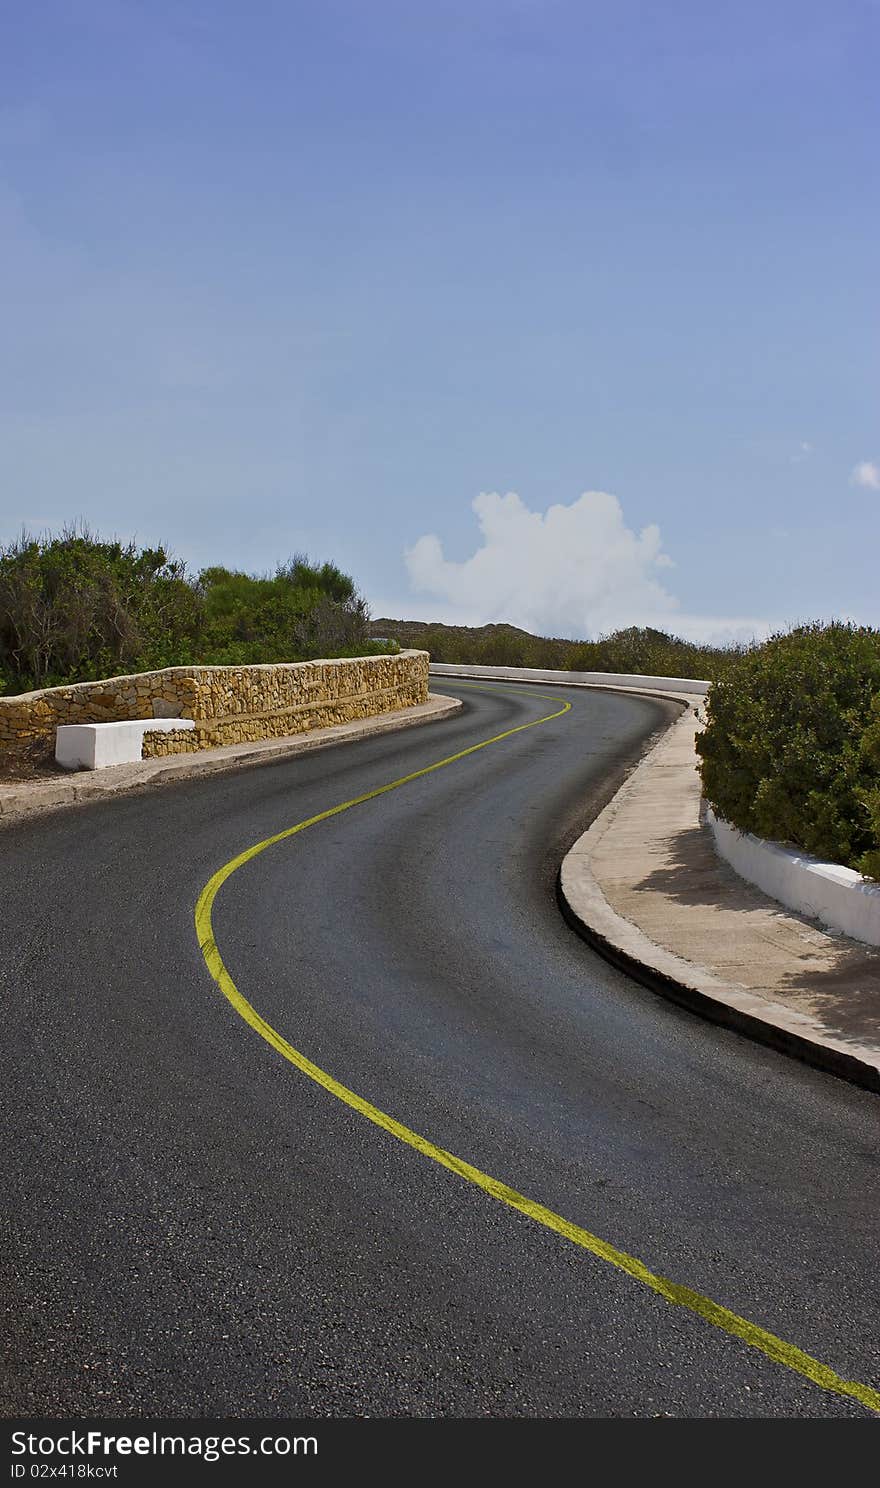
{"x":195,"y":1227}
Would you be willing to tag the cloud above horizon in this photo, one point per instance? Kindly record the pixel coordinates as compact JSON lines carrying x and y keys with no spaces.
{"x":574,"y":571}
{"x":866,"y":474}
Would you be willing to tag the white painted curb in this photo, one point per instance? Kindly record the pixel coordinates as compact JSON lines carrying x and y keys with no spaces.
{"x":838,"y":897}
{"x":629,"y":680}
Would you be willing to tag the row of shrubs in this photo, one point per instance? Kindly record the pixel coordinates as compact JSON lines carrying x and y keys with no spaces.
{"x":635,"y":649}
{"x":791,"y":750}
{"x":74,"y":608}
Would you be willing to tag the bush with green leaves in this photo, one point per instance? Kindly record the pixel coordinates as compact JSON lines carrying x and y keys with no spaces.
{"x":870,"y":861}
{"x":649,"y":652}
{"x":791,"y":750}
{"x":303,"y":610}
{"x":636,"y":649}
{"x":74,"y":608}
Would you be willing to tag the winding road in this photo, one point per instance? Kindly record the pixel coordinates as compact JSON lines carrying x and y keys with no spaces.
{"x":196,"y":1224}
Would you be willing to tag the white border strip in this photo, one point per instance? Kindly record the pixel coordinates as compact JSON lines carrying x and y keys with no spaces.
{"x":838,"y":897}
{"x":576,"y":679}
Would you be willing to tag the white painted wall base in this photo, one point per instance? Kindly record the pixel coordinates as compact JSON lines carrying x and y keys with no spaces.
{"x":92,"y":746}
{"x":591,"y":679}
{"x":838,"y":897}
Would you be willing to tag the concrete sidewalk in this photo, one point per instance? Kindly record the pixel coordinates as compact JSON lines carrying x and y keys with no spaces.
{"x":23,"y":798}
{"x":646,"y":886}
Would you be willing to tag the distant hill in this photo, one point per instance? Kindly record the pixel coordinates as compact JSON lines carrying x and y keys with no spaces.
{"x":411,"y":631}
{"x":636,"y":649}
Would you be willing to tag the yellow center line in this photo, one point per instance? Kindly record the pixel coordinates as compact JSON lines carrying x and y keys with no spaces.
{"x":774,"y":1348}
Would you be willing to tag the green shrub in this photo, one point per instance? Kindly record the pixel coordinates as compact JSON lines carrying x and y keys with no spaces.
{"x":791,"y":750}
{"x":637,"y":649}
{"x":870,"y":861}
{"x":74,"y":608}
{"x":303,"y":610}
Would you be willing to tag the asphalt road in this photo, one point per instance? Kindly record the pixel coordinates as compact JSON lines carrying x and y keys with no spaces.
{"x":193,"y":1227}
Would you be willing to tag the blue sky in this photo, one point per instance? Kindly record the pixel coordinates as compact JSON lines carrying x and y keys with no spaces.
{"x":290,"y":276}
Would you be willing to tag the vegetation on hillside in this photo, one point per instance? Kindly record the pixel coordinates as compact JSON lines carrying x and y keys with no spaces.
{"x":651,"y":652}
{"x":74,"y":608}
{"x":791,"y":750}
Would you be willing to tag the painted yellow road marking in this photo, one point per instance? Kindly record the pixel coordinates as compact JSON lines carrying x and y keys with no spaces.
{"x":729,"y":1322}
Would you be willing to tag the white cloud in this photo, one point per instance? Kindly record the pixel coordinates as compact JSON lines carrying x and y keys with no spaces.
{"x":575,"y":571}
{"x":867,"y":474}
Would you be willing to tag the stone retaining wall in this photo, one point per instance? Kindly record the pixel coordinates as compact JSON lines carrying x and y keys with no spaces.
{"x":230,"y":705}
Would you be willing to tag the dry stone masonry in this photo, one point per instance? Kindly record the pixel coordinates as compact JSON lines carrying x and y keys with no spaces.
{"x":230,"y":705}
